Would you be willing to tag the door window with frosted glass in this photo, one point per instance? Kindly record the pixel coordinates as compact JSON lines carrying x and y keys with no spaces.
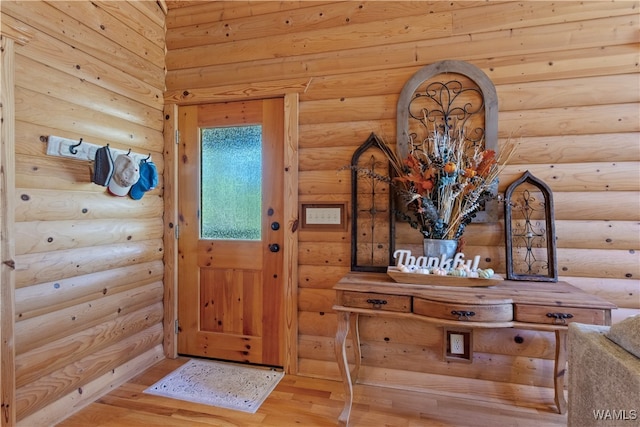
{"x":231,"y":183}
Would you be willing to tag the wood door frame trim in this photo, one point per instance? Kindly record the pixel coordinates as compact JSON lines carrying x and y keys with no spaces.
{"x":7,"y":227}
{"x":172,"y":139}
{"x":13,"y":34}
{"x":170,"y":241}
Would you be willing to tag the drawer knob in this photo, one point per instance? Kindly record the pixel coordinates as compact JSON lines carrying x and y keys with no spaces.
{"x":560,"y":318}
{"x":463,"y":315}
{"x":377,"y":303}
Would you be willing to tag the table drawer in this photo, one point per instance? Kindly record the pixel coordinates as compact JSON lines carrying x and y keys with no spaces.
{"x":382,"y":302}
{"x":464,"y":312}
{"x":555,"y":315}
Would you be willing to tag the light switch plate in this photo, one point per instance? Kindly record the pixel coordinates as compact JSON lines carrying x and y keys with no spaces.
{"x":323,"y":216}
{"x":330,"y":215}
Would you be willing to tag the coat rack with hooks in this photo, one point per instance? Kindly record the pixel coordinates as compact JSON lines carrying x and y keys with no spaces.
{"x":82,"y":150}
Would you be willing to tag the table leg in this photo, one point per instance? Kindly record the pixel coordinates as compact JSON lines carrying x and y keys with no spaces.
{"x":560,"y":370}
{"x":341,"y":357}
{"x":355,"y":334}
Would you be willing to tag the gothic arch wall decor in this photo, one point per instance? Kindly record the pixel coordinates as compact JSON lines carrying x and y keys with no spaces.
{"x":530,"y":238}
{"x":446,"y":103}
{"x":372,"y":226}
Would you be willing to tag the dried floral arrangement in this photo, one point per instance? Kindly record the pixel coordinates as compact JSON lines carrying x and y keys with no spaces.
{"x":444,"y":180}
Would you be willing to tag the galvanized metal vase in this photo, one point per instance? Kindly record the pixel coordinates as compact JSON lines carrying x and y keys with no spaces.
{"x":438,"y":247}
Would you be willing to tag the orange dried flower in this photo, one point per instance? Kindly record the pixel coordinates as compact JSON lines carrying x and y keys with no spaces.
{"x":450,"y":167}
{"x":488,"y":160}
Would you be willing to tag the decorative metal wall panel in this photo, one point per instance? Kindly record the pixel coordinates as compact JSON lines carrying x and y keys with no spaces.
{"x":372,"y":242}
{"x":462,"y":94}
{"x":530,"y":231}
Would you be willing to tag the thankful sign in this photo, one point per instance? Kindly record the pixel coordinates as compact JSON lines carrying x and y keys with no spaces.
{"x":403,"y":257}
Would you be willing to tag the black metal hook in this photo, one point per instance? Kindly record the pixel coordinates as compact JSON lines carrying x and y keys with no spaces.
{"x":129,"y":152}
{"x":72,"y":148}
{"x":148,"y":157}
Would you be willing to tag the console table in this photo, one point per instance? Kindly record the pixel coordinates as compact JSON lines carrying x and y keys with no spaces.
{"x":540,"y":306}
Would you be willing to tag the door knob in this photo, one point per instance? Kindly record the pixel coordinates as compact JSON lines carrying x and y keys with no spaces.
{"x":274,"y":247}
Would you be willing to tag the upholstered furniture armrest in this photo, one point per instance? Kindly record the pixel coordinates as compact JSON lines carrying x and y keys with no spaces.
{"x":604,"y":380}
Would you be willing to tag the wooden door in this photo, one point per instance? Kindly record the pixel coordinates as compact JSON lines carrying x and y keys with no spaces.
{"x":230,"y":288}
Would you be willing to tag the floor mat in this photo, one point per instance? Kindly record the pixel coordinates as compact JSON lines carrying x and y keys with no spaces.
{"x":226,"y":385}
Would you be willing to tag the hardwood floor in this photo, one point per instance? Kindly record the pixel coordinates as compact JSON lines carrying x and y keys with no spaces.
{"x":302,"y":401}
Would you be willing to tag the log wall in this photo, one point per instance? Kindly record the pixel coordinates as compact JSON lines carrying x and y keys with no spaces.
{"x":567,"y":81}
{"x":88,"y":266}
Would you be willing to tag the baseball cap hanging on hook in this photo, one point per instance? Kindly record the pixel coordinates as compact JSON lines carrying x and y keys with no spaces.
{"x":125,"y":173}
{"x":148,"y":180}
{"x":103,"y":166}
